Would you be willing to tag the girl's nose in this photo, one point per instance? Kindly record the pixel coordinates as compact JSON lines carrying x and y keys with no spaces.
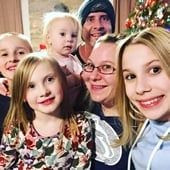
{"x":14,"y":57}
{"x":142,"y":86}
{"x":69,"y":38}
{"x":44,"y":91}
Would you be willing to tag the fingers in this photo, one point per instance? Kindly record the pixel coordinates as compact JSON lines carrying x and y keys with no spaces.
{"x":4,"y":90}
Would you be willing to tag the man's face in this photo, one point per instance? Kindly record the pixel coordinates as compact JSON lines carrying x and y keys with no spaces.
{"x":96,"y":25}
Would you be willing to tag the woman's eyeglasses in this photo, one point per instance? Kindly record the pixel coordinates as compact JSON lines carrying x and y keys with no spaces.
{"x":103,"y":69}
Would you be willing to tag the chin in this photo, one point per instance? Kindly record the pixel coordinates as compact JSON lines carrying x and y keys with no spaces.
{"x":97,"y":99}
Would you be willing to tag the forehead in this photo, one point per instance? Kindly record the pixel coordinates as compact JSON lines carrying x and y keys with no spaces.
{"x":9,"y":41}
{"x":41,"y":69}
{"x":63,"y":23}
{"x":97,"y":14}
{"x":138,"y":53}
{"x":103,"y":52}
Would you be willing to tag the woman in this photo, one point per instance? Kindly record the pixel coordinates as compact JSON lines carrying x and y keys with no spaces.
{"x":144,"y":92}
{"x":99,"y":74}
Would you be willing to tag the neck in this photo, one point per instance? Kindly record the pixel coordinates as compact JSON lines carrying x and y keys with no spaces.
{"x":52,"y":126}
{"x":109,"y":109}
{"x":57,"y":55}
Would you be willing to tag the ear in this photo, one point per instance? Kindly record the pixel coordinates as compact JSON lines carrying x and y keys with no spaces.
{"x":48,"y":39}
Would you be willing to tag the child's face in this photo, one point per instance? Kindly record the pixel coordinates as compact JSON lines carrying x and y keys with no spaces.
{"x":44,"y":93}
{"x":63,"y":36}
{"x":147,"y":84}
{"x":12,"y":49}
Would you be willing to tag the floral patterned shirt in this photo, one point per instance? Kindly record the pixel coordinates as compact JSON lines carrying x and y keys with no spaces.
{"x":62,"y":151}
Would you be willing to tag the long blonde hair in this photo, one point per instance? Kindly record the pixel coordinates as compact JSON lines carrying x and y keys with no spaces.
{"x":19,"y":113}
{"x":158,"y":40}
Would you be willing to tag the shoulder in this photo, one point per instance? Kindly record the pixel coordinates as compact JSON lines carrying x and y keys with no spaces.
{"x":104,"y":136}
{"x":82,"y":118}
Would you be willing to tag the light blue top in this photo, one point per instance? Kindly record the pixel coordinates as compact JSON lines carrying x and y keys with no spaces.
{"x":150,"y":151}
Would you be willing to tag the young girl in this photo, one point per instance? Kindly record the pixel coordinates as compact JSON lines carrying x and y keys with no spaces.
{"x":13,"y":47}
{"x":49,"y":136}
{"x":60,"y":33}
{"x":144,"y":91}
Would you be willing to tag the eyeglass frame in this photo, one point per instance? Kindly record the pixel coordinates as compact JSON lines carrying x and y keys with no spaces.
{"x":99,"y":68}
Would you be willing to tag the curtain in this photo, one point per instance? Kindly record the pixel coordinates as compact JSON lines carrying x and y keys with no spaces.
{"x":10,"y":16}
{"x":122,"y":10}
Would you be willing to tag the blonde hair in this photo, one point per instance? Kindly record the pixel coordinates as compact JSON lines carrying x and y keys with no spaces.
{"x":20,"y":36}
{"x":51,"y":17}
{"x":158,"y":40}
{"x":18,"y":114}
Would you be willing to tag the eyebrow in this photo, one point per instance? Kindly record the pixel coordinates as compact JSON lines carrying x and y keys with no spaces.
{"x":2,"y":50}
{"x":103,"y":62}
{"x":146,"y":65}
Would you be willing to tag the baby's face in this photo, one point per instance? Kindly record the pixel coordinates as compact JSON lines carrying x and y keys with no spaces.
{"x":63,"y":36}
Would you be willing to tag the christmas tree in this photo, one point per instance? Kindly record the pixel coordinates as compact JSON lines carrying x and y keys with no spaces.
{"x":148,"y":13}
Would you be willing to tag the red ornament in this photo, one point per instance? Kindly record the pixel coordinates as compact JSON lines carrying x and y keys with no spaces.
{"x":42,"y":47}
{"x":128,"y":23}
{"x":150,"y":2}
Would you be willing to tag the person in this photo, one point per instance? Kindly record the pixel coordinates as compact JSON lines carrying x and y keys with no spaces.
{"x":13,"y":47}
{"x":65,"y":142}
{"x":61,"y":7}
{"x":99,"y":75}
{"x":144,"y":93}
{"x":60,"y":34}
{"x":97,"y":18}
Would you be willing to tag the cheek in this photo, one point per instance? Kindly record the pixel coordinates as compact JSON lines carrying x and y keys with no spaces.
{"x":108,"y":27}
{"x":3,"y":62}
{"x":85,"y":33}
{"x":85,"y":76}
{"x":29,"y":97}
{"x":20,"y":57}
{"x":111,"y":83}
{"x":129,"y":91}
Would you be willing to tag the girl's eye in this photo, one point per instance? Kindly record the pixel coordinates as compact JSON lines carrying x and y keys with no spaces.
{"x":62,"y":34}
{"x":74,"y":35}
{"x":155,"y":70}
{"x":129,"y":76}
{"x":4,"y":54}
{"x":31,"y":86}
{"x":50,"y":79}
{"x":21,"y":52}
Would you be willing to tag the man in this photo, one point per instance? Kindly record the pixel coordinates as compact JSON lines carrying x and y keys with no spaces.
{"x":97,"y":18}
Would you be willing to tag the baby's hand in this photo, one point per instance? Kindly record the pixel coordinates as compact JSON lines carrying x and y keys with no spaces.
{"x":4,"y":86}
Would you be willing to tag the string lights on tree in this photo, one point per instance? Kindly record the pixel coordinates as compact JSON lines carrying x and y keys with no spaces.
{"x":148,"y":13}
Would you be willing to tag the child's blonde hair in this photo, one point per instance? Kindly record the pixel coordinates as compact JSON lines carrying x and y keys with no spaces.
{"x":20,"y":36}
{"x":19,"y":113}
{"x":51,"y":17}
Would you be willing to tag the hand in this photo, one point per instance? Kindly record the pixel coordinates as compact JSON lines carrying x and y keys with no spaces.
{"x":4,"y":87}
